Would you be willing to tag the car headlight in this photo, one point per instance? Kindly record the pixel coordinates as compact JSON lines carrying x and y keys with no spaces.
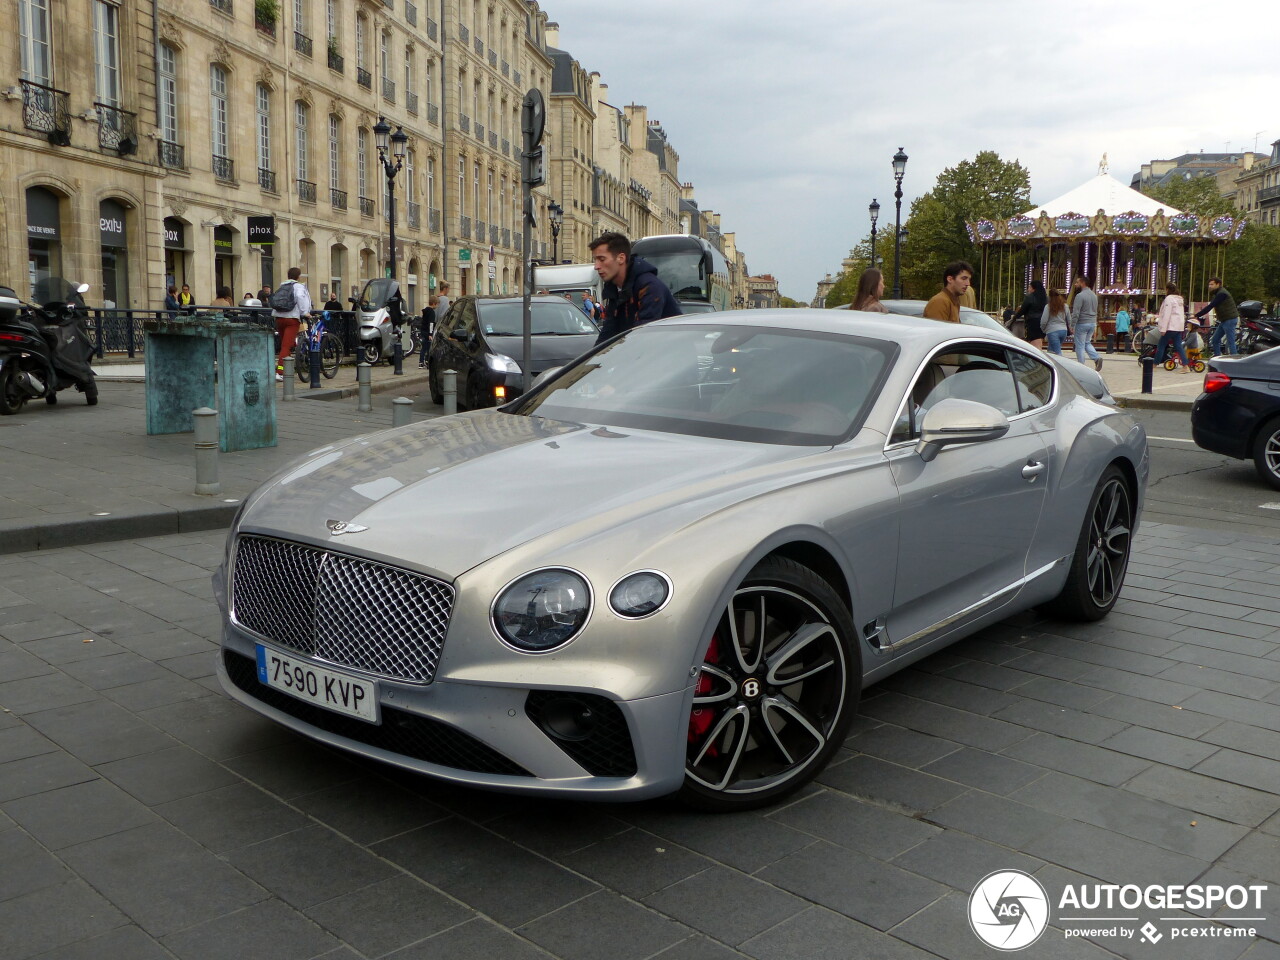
{"x":542,"y":610}
{"x":640,"y":594}
{"x":501,"y":363}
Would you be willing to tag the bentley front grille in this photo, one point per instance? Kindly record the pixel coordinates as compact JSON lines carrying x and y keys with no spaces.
{"x":335,"y":607}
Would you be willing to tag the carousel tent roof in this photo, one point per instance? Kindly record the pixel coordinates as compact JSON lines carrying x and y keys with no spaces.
{"x":1104,"y":192}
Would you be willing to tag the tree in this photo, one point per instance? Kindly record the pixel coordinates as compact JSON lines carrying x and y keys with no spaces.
{"x":1252,"y":270}
{"x":1198,"y":195}
{"x":788,"y":303}
{"x":985,"y":187}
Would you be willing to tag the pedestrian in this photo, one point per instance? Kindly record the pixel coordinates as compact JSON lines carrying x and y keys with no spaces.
{"x":427,"y":328}
{"x":333,"y":303}
{"x":1224,"y":309}
{"x":969,"y":298}
{"x":289,"y":304}
{"x":1084,"y":319}
{"x":264,"y":294}
{"x":223,"y":299}
{"x":185,"y":300}
{"x":633,"y":293}
{"x":588,"y":307}
{"x":1172,"y":321}
{"x":870,"y":290}
{"x":1031,"y":311}
{"x":1123,"y":326}
{"x":1055,"y":320}
{"x":171,"y":300}
{"x":945,"y":305}
{"x":442,"y":301}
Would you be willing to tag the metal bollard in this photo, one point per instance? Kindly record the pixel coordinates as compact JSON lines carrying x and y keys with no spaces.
{"x":206,"y":428}
{"x":314,"y":357}
{"x":401,"y":411}
{"x":1148,"y":371}
{"x":449,"y":380}
{"x":364,"y":377}
{"x":289,"y":372}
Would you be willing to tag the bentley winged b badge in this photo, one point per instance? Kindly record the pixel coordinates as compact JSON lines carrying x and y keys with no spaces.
{"x":338,"y":527}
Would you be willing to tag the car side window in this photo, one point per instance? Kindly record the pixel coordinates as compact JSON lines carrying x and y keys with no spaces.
{"x":1034,"y":378}
{"x":976,"y":371}
{"x":466,"y":316}
{"x":445,"y":324}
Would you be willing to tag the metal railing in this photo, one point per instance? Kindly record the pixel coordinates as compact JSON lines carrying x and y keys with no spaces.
{"x":388,"y":90}
{"x":464,"y":224}
{"x":171,"y":155}
{"x":411,"y":102}
{"x":432,"y":30}
{"x":44,"y":109}
{"x":366,"y":207}
{"x":302,"y":43}
{"x":464,"y":34}
{"x":1268,"y":193}
{"x":493,"y":140}
{"x":265,"y":27}
{"x":515,"y":77}
{"x":433,"y":220}
{"x":506,"y":69}
{"x":386,"y":214}
{"x":493,"y":58}
{"x":337,"y":198}
{"x":306,"y":191}
{"x":224,"y":168}
{"x":414,"y":214}
{"x":480,"y":131}
{"x":464,"y":123}
{"x":506,"y":237}
{"x":433,"y":113}
{"x":506,"y":146}
{"x":493,"y":233}
{"x":364,"y":78}
{"x":480,"y":230}
{"x":117,"y":129}
{"x":410,"y":13}
{"x":336,"y":62}
{"x":222,"y":6}
{"x":267,"y":179}
{"x":479,"y":47}
{"x":122,"y":332}
{"x":517,"y":241}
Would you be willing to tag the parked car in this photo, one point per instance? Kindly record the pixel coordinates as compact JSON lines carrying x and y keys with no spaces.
{"x":483,"y":340}
{"x":1238,"y":414}
{"x":675,"y":564}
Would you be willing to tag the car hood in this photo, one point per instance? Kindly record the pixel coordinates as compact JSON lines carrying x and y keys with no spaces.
{"x":448,"y":494}
{"x":548,"y":351}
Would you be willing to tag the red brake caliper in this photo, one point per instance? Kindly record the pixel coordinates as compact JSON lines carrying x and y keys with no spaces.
{"x":701,"y":718}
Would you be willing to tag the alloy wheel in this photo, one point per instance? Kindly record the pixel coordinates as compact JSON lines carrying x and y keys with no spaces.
{"x":1110,"y":534}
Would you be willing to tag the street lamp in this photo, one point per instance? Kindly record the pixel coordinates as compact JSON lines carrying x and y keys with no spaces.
{"x":899,"y":168}
{"x":555,"y":216}
{"x":391,"y":147}
{"x":874,"y":210}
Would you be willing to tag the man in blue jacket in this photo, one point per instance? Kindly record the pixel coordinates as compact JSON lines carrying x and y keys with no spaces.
{"x":632,"y":293}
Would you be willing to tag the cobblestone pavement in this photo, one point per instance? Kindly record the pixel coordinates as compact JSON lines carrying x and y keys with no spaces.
{"x":143,"y":814}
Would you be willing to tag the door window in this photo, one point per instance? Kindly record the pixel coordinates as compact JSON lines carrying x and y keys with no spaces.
{"x":1034,"y":378}
{"x":975,"y":371}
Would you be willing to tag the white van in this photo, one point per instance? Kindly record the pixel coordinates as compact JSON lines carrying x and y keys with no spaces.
{"x":570,"y":278}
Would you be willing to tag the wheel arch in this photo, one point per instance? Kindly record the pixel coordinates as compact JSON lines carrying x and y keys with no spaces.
{"x":820,"y":561}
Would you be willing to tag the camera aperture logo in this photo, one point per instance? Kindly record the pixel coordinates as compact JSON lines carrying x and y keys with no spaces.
{"x":1008,"y":910}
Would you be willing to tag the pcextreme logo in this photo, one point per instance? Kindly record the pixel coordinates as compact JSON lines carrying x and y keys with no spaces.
{"x":1009,"y":910}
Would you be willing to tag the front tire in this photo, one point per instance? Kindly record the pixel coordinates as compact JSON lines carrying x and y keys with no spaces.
{"x":1102,"y":553}
{"x":1266,"y":452}
{"x":330,"y":356}
{"x":433,"y":384}
{"x":371,"y":352}
{"x":477,"y":396}
{"x":778,"y":688}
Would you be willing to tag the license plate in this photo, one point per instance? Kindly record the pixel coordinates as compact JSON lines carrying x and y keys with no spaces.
{"x":339,"y":692}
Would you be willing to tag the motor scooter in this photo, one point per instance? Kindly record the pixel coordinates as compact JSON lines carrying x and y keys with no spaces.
{"x":377,"y":327}
{"x":1255,"y":333}
{"x":44,"y":347}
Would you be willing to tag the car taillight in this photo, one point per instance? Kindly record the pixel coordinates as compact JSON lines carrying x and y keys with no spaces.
{"x":1213,"y":382}
{"x":15,"y":337}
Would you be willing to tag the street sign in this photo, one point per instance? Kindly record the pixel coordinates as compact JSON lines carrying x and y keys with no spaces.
{"x":493,"y":270}
{"x":533,"y":118}
{"x":531,"y":168}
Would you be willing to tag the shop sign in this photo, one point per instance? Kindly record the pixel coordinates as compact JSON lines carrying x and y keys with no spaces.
{"x":464,"y":256}
{"x":262,"y":230}
{"x":42,"y":214}
{"x":174,"y":234}
{"x":222,"y":243}
{"x":111,"y":223}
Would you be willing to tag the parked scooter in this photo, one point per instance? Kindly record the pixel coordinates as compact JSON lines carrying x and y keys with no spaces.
{"x":44,"y":347}
{"x":1255,"y":333}
{"x":377,"y":327}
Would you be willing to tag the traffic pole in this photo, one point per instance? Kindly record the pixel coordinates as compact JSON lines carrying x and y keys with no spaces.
{"x":206,"y":443}
{"x":450,"y":390}
{"x":289,"y":372}
{"x":401,"y":411}
{"x":364,"y":377}
{"x":1148,"y":372}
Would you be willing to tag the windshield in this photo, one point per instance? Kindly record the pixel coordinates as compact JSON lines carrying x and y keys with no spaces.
{"x":681,"y":270}
{"x":54,"y":290}
{"x":377,"y":293}
{"x":761,"y":384}
{"x":506,"y":319}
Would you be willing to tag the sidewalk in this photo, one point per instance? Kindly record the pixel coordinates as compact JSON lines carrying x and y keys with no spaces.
{"x":1170,"y":389}
{"x":73,"y":474}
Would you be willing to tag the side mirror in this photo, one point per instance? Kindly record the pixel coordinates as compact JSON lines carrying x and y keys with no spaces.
{"x":82,"y":288}
{"x":460,"y":334}
{"x":953,"y":421}
{"x":546,"y":375}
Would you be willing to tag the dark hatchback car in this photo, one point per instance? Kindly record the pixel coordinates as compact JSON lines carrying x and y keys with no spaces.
{"x":1238,"y":415}
{"x":482,"y":338}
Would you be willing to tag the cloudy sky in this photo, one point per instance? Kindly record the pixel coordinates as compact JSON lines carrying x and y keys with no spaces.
{"x":786,"y":114}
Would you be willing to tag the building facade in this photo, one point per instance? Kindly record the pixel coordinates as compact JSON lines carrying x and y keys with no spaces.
{"x":1258,"y":189}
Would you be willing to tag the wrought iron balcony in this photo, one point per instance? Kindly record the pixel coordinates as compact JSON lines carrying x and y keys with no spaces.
{"x":336,"y":62}
{"x":506,"y":237}
{"x":493,"y":59}
{"x":44,"y":110}
{"x":433,"y":113}
{"x":480,"y":231}
{"x":388,"y":90}
{"x":493,"y":233}
{"x":337,"y":198}
{"x":515,"y":77}
{"x":306,"y":191}
{"x":267,"y":179}
{"x":506,"y":146}
{"x":410,"y":13}
{"x":465,"y":227}
{"x":302,"y":43}
{"x":224,"y":168}
{"x":222,"y":6}
{"x":265,"y":27}
{"x":433,"y":220}
{"x":415,"y":214}
{"x":386,"y":214}
{"x":364,"y":78}
{"x":464,"y":123}
{"x":117,"y":129}
{"x":366,"y":207}
{"x":479,"y":47}
{"x":432,"y":30}
{"x":517,"y":241}
{"x":171,"y":155}
{"x":480,"y":131}
{"x":493,"y":140}
{"x":506,"y":69}
{"x":464,"y":34}
{"x":1268,"y":193}
{"x":411,"y":103}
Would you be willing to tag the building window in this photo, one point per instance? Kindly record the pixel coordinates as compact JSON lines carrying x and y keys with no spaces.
{"x":218,"y":110}
{"x":331,"y":19}
{"x":360,"y":44}
{"x":475,"y":188}
{"x":426,"y":79}
{"x":462,"y":186}
{"x":410,"y":182}
{"x":502,"y":201}
{"x":300,"y":131}
{"x":33,"y":29}
{"x":408,"y":72}
{"x":431,"y":183}
{"x":300,"y":16}
{"x":264,"y":127}
{"x":106,"y":52}
{"x":168,"y":63}
{"x":489,"y":200}
{"x":362,"y":161}
{"x":335,"y":153}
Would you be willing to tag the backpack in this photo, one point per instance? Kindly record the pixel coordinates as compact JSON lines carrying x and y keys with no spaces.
{"x":284,"y":299}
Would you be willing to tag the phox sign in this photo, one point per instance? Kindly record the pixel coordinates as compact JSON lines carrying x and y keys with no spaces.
{"x":262,"y":230}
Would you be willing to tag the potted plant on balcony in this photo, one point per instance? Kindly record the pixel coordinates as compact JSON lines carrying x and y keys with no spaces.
{"x":334,"y":54}
{"x":266,"y":13}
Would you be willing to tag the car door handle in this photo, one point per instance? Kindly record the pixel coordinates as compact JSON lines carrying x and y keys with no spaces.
{"x":1032,"y":470}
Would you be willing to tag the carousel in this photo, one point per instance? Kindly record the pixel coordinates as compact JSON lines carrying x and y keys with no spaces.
{"x":1130,"y":246}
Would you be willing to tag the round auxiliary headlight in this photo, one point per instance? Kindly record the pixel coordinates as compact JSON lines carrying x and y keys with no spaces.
{"x":543,"y":610}
{"x":640,"y":594}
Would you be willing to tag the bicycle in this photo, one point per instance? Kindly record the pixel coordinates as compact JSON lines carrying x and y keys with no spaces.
{"x":330,"y":351}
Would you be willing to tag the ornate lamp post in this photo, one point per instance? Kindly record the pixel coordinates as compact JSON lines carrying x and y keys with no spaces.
{"x":874,"y":210}
{"x":391,"y":149}
{"x":555,"y":216}
{"x":899,"y":168}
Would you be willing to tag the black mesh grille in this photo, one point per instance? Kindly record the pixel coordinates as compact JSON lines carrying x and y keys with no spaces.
{"x":404,"y":733}
{"x":340,"y":608}
{"x":607,"y":750}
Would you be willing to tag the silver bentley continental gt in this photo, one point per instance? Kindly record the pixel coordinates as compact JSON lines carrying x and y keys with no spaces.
{"x":674,"y":565}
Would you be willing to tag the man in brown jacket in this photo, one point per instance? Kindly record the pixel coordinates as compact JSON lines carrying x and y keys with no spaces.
{"x":945,"y":305}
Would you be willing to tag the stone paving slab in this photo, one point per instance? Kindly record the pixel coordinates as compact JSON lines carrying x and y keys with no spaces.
{"x":144,"y":814}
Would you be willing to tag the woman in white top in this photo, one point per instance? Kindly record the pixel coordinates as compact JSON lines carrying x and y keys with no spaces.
{"x":1171,"y":323}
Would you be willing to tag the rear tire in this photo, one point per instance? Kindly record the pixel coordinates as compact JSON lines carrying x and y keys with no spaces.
{"x":1266,"y":452}
{"x":330,"y":356}
{"x":51,"y":399}
{"x":12,"y":396}
{"x":1102,"y":552}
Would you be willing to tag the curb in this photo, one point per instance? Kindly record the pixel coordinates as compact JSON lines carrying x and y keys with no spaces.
{"x":378,"y":386}
{"x":1147,"y":401}
{"x":23,"y":535}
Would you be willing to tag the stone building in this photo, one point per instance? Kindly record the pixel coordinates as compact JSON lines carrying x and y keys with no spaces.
{"x":572,"y":115}
{"x":1258,"y":189}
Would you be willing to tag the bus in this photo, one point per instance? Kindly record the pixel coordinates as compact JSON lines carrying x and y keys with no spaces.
{"x":696,"y":272}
